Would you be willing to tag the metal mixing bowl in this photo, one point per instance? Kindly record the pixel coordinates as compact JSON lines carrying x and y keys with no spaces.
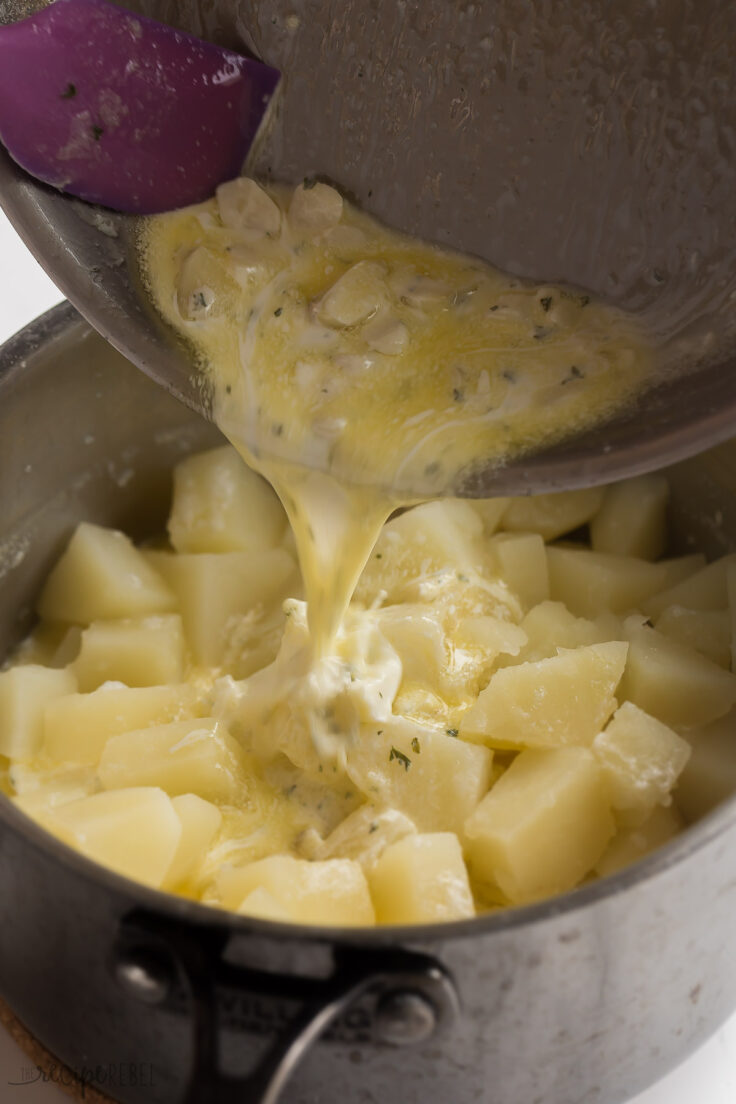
{"x":586,"y":142}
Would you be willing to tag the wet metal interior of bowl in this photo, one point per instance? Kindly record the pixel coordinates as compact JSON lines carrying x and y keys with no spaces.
{"x":591,"y":143}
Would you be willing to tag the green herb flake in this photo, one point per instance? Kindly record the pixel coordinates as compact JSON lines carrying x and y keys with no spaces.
{"x":575,"y":374}
{"x":69,"y":92}
{"x":399,"y":757}
{"x":545,"y":302}
{"x":452,"y":731}
{"x":416,"y":747}
{"x":278,"y":312}
{"x":373,"y":828}
{"x":97,"y":132}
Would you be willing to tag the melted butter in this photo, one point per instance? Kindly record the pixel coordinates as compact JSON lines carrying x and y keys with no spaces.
{"x":359,"y":369}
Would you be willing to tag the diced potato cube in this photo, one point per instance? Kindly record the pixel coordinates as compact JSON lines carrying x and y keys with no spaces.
{"x":633,"y":518}
{"x":641,"y":759}
{"x":194,"y":756}
{"x":146,"y":651}
{"x":421,"y":879}
{"x":77,"y":726}
{"x":314,"y":208}
{"x":706,"y":589}
{"x":708,"y":631}
{"x":491,"y":510}
{"x":562,"y":700}
{"x":590,"y":583}
{"x":220,"y":505}
{"x":491,"y":635}
{"x":433,"y":778}
{"x":24,"y":694}
{"x":543,"y":826}
{"x":135,"y":832}
{"x":552,"y":515}
{"x":262,"y":905}
{"x":102,"y":576}
{"x":215,"y":590}
{"x":676,"y":684}
{"x":200,"y":822}
{"x":710,"y":775}
{"x":550,"y":626}
{"x":334,"y":892}
{"x":436,"y":536}
{"x":418,"y":638}
{"x":245,"y":206}
{"x":631,"y":844}
{"x":521,"y":561}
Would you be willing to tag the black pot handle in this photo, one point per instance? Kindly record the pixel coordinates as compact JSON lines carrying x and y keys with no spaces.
{"x":408,"y":996}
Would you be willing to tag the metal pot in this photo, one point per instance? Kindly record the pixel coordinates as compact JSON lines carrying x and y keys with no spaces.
{"x":586,"y":998}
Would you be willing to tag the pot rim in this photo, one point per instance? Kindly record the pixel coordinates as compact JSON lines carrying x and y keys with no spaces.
{"x":59,"y":322}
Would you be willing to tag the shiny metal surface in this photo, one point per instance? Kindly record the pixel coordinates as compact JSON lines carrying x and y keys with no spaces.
{"x":585,"y":999}
{"x":586,"y":142}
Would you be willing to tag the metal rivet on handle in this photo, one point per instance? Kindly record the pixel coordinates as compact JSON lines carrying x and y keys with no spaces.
{"x":144,"y":975}
{"x":404,"y":1017}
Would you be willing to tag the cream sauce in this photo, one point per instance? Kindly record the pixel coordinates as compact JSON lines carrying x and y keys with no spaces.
{"x":358,"y":370}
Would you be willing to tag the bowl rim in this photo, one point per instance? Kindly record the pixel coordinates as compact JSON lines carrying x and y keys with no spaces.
{"x":60,"y":322}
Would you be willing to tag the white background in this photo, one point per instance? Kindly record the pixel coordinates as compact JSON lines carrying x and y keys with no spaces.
{"x":708,"y":1077}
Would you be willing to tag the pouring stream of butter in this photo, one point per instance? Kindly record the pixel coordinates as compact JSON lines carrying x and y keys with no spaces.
{"x":360,"y":370}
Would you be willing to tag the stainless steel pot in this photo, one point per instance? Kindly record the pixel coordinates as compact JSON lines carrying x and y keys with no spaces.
{"x":587,"y":998}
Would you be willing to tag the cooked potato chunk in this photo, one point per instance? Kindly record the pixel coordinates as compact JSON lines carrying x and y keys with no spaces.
{"x":563,"y":700}
{"x":641,"y":759}
{"x":631,"y":844}
{"x":24,"y":694}
{"x":552,"y":515}
{"x":521,"y":561}
{"x":710,"y":774}
{"x":550,"y":626}
{"x":221,"y":505}
{"x":146,"y":651}
{"x":181,"y":757}
{"x":102,"y":576}
{"x":136,"y":832}
{"x":200,"y":822}
{"x":420,"y":880}
{"x":334,"y":892}
{"x":433,"y":537}
{"x":632,"y":519}
{"x":706,"y":589}
{"x":214,"y":590}
{"x":592,"y":582}
{"x":543,"y":826}
{"x":708,"y":631}
{"x":77,"y":726}
{"x":673,"y":682}
{"x":490,"y":510}
{"x":433,"y":778}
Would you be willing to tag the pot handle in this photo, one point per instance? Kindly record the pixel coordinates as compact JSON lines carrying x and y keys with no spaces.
{"x":410,"y":997}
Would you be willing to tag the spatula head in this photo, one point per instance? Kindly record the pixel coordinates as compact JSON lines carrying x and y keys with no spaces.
{"x":124,"y":111}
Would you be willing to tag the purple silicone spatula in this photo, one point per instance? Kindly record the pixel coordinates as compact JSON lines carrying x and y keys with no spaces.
{"x":124,"y":111}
